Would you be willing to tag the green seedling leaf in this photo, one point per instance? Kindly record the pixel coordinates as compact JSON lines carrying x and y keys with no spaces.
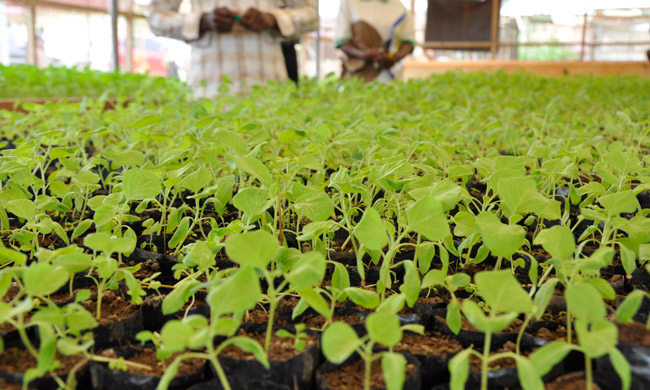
{"x":256,"y":248}
{"x":620,"y":202}
{"x":175,"y":300}
{"x":477,"y":317}
{"x":170,"y":373}
{"x":73,"y":262}
{"x":252,"y":201}
{"x":175,"y":335}
{"x":427,"y":218}
{"x":433,"y":278}
{"x":196,"y":180}
{"x":528,"y":375}
{"x":340,"y":277}
{"x":453,"y":318}
{"x":598,"y":339}
{"x":251,"y":346}
{"x":104,"y":242}
{"x":366,"y":298}
{"x":393,"y":304}
{"x":465,"y":224}
{"x":393,"y":366}
{"x":81,"y":228}
{"x":628,"y":308}
{"x":316,"y":207}
{"x":457,"y":281}
{"x":200,"y":256}
{"x":230,"y":139}
{"x":622,"y":367}
{"x":146,"y":121}
{"x":411,"y":285}
{"x":585,"y":302}
{"x":139,"y":184}
{"x":180,"y":233}
{"x":557,"y":241}
{"x":315,"y":301}
{"x":22,"y":208}
{"x":371,"y":231}
{"x":459,"y":370}
{"x":502,"y":240}
{"x":8,"y":255}
{"x":316,"y":229}
{"x":604,"y":288}
{"x":255,"y":168}
{"x":543,"y":297}
{"x":42,"y":279}
{"x":384,"y":328}
{"x":238,"y":293}
{"x":339,"y":341}
{"x":307,"y":271}
{"x":502,"y":292}
{"x":549,"y":355}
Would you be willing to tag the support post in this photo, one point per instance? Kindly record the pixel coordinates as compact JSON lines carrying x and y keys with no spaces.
{"x":30,"y":16}
{"x":114,"y":42}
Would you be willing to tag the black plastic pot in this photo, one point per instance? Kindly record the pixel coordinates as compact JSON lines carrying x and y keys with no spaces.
{"x":296,"y":372}
{"x":639,"y":359}
{"x":103,"y":378}
{"x":476,"y":339}
{"x":154,"y":319}
{"x":47,"y":382}
{"x":413,"y":382}
{"x":118,"y":332}
{"x":240,"y":383}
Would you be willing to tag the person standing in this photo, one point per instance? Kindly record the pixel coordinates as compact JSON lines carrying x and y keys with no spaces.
{"x":374,"y":35}
{"x":235,"y":40}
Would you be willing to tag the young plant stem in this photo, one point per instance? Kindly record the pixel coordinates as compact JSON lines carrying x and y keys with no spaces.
{"x":589,"y":373}
{"x":217,"y":367}
{"x":498,"y":265}
{"x":521,"y":332}
{"x":485,"y":360}
{"x":100,"y":290}
{"x":568,"y":326}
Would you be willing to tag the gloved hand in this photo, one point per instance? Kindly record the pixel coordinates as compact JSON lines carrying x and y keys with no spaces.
{"x":257,"y":20}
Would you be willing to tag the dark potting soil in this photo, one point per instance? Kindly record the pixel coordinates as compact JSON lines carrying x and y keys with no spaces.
{"x":114,"y":307}
{"x":282,"y":349}
{"x":19,"y":360}
{"x":475,"y":362}
{"x":11,"y":292}
{"x":148,"y":357}
{"x":559,"y":334}
{"x":430,"y":343}
{"x":634,"y":333}
{"x":351,"y":377}
{"x":147,"y":268}
{"x":261,"y":317}
{"x":572,"y":381}
{"x":317,"y":321}
{"x":9,"y":386}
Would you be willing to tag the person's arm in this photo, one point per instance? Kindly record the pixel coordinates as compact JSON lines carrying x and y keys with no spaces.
{"x":387,"y":60}
{"x":166,"y":21}
{"x":295,"y":18}
{"x":354,"y":52}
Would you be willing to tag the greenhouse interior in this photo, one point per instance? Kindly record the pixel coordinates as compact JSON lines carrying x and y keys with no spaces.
{"x":325,"y":195}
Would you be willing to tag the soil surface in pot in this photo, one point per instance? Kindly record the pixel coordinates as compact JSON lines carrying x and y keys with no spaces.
{"x":148,"y":357}
{"x":8,"y":386}
{"x":317,"y":321}
{"x":430,"y":343}
{"x":282,"y":349}
{"x":634,"y":333}
{"x":18,"y":360}
{"x":499,"y":364}
{"x":351,"y":377}
{"x":572,"y":381}
{"x":114,"y":307}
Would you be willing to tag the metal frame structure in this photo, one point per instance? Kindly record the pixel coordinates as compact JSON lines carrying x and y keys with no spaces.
{"x":113,"y":11}
{"x":130,"y":16}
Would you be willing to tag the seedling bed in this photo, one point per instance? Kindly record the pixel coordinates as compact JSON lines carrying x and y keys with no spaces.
{"x":464,"y":231}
